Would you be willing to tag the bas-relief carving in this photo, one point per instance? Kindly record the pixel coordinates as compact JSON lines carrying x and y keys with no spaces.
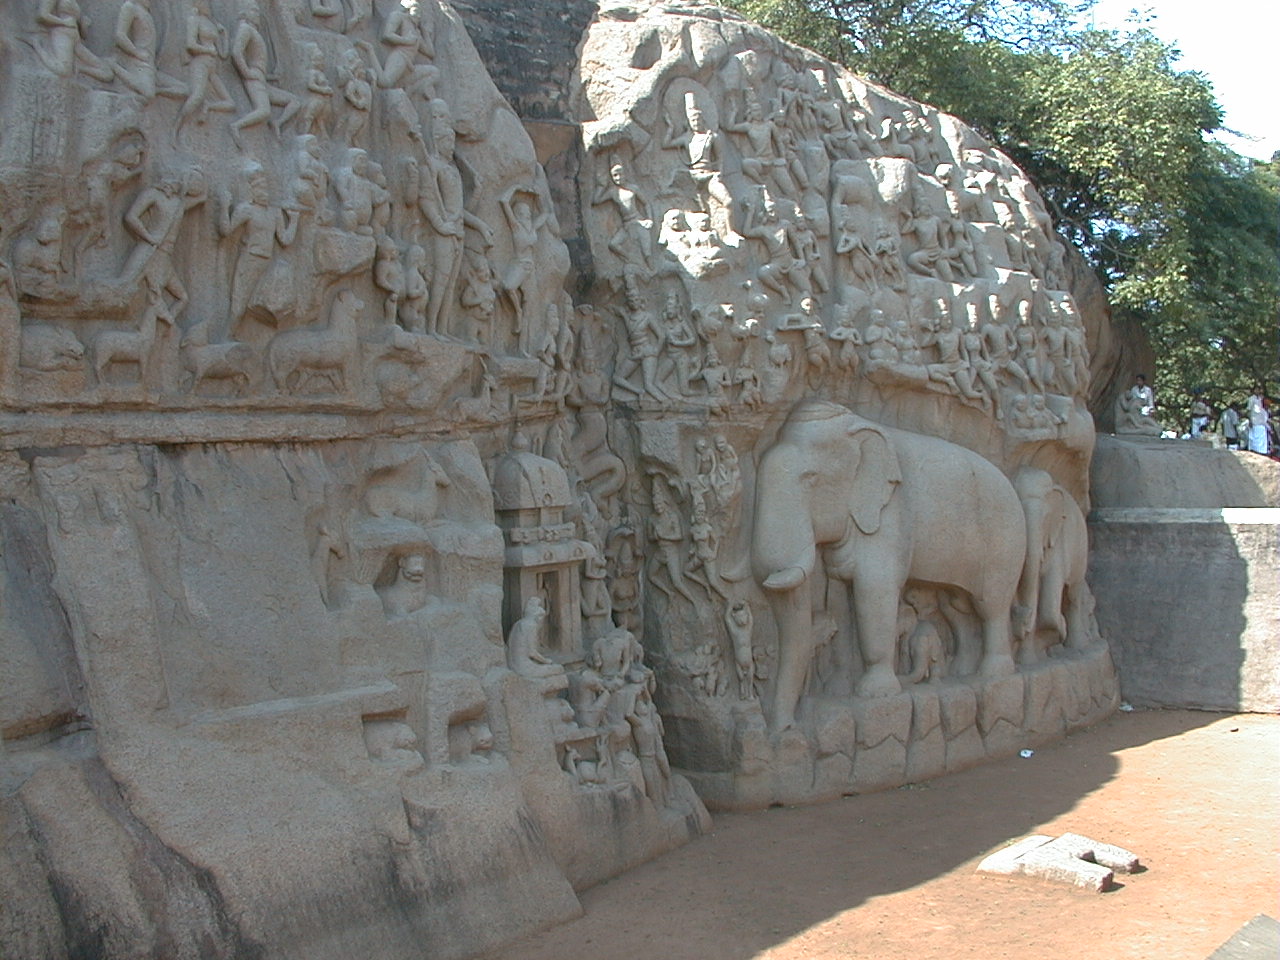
{"x":769,"y":235}
{"x":320,"y":207}
{"x":293,"y":207}
{"x":241,"y":166}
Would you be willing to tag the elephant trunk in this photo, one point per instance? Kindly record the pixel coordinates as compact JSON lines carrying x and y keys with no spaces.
{"x":782,"y":543}
{"x":784,"y":555}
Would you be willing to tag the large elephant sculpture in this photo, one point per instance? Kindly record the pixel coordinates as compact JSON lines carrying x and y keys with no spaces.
{"x":883,"y":506}
{"x":1056,"y":561}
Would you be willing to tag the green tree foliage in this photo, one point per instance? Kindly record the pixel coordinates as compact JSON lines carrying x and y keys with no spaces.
{"x":1183,"y":232}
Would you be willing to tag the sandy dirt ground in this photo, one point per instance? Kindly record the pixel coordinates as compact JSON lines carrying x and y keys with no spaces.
{"x":891,"y":875}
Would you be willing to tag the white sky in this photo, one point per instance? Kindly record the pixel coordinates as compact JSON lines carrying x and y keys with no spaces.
{"x":1233,"y":43}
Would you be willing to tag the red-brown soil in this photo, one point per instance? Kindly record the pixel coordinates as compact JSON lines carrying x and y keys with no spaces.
{"x":891,"y":875}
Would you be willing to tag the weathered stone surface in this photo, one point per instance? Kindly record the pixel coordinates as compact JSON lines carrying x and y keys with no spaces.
{"x":1069,"y":859}
{"x":367,"y":562}
{"x":1173,"y":648}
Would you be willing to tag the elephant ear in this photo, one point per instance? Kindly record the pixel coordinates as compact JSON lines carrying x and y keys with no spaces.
{"x":876,"y":476}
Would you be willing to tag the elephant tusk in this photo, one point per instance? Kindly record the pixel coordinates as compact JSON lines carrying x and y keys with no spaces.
{"x":788,"y":578}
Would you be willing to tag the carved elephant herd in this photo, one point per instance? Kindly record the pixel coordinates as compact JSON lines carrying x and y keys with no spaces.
{"x":881,"y":507}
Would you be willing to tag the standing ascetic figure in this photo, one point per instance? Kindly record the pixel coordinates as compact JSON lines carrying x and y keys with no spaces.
{"x":883,"y":506}
{"x":441,"y":201}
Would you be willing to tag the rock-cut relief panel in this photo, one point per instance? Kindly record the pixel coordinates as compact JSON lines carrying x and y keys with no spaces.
{"x":265,"y":203}
{"x":823,"y":297}
{"x":768,"y":226}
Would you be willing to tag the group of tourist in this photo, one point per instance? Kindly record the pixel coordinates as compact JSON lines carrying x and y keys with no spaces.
{"x":1243,"y":426}
{"x":1246,"y":425}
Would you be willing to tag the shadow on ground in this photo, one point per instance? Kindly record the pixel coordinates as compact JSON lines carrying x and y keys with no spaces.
{"x":761,"y":879}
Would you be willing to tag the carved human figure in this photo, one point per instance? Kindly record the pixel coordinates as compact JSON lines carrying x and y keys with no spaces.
{"x":38,"y":258}
{"x":1076,"y":347}
{"x":646,"y":731}
{"x":858,"y":255}
{"x":408,"y":592}
{"x":882,"y":346}
{"x":64,"y":50}
{"x":953,"y":369}
{"x":715,"y":375}
{"x":1028,"y":346}
{"x":668,"y":545}
{"x":442,"y":202}
{"x":155,"y":219}
{"x":817,"y":354}
{"x":812,"y":274}
{"x":762,"y":159}
{"x":780,"y":254}
{"x":680,"y":342}
{"x":517,"y":278}
{"x":357,"y":93}
{"x":589,"y":696}
{"x":981,"y":362}
{"x":135,"y":37}
{"x":264,"y":226}
{"x":778,"y":367}
{"x":703,"y":567}
{"x":701,"y":145}
{"x":389,"y":277}
{"x":412,"y":312}
{"x":853,"y":203}
{"x":847,"y":338}
{"x":745,"y":378}
{"x":644,"y":339}
{"x":1001,"y":344}
{"x":311,"y":185}
{"x":479,"y":298}
{"x":887,"y":256}
{"x":358,"y":195}
{"x":1058,"y":373}
{"x":317,"y":108}
{"x":401,"y":37}
{"x":740,"y":622}
{"x":929,"y":259}
{"x":632,"y":242}
{"x":524,"y":656}
{"x":249,"y":54}
{"x":206,"y":46}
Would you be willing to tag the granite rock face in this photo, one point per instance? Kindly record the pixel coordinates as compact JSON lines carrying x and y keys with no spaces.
{"x":376,"y":574}
{"x":849,"y":368}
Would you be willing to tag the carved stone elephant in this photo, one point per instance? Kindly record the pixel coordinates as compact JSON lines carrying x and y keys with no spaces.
{"x":884,"y":506}
{"x":1056,"y":561}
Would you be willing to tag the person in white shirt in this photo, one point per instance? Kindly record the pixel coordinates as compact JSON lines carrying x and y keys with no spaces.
{"x":1257,"y":411}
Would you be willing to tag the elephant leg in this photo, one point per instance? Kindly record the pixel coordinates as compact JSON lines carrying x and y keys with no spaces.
{"x":968,"y":646}
{"x":997,"y":656}
{"x":794,"y":615}
{"x":1078,"y":616}
{"x":876,"y":614}
{"x":1049,"y":617}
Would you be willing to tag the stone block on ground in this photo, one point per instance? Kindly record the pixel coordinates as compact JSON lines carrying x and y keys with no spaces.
{"x":1072,"y":860}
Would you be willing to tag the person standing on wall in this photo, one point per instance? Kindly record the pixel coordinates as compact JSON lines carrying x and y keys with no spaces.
{"x":1258,"y":418}
{"x":1230,"y":424}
